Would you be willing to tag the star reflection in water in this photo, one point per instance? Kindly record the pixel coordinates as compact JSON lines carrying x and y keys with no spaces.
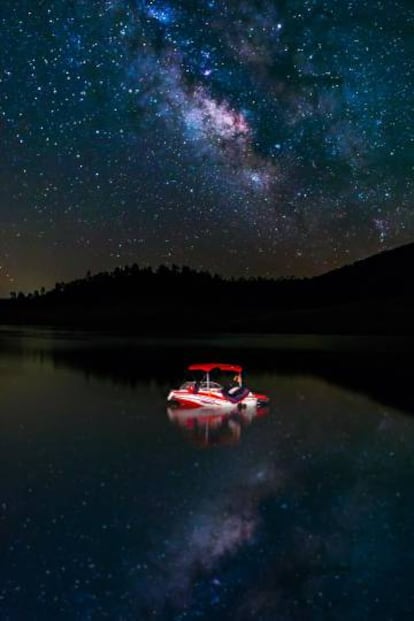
{"x":106,"y":512}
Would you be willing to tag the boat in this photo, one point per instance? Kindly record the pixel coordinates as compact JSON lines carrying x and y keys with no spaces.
{"x":207,"y":393}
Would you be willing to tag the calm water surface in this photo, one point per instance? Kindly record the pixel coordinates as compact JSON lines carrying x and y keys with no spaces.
{"x":113,"y":509}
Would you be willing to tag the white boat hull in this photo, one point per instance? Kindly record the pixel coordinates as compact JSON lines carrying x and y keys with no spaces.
{"x":209,"y":399}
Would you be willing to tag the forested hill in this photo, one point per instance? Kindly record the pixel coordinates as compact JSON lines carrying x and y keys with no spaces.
{"x":387,"y":274}
{"x":374,"y":294}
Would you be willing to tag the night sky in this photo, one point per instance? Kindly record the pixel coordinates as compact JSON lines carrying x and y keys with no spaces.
{"x":246,"y":137}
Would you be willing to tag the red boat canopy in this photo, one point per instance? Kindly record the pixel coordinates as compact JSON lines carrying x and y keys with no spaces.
{"x":209,"y":366}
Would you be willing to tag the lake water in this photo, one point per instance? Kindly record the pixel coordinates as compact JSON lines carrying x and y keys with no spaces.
{"x":113,"y":508}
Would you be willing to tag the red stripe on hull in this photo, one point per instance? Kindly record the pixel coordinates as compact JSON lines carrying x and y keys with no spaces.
{"x":183,"y":403}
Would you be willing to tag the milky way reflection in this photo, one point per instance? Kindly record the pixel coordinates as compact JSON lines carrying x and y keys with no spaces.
{"x":108,"y":511}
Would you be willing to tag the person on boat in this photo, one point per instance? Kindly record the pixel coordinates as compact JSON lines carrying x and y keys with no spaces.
{"x":236,"y":392}
{"x":233,"y":386}
{"x":195,"y":387}
{"x":237,"y":380}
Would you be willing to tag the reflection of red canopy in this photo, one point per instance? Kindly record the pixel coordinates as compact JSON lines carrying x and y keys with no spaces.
{"x":209,"y":366}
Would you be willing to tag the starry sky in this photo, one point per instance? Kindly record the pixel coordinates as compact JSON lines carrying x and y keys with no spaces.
{"x":246,"y":137}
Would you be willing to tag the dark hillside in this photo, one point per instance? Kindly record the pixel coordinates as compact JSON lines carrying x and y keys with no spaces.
{"x":375,"y":295}
{"x":385,"y":275}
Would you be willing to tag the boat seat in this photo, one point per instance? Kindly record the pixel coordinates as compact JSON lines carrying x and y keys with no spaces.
{"x":235,"y":393}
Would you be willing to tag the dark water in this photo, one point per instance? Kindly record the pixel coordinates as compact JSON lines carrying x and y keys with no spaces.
{"x":110,"y":510}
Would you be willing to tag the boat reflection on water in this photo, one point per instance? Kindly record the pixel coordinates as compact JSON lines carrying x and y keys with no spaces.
{"x":206,"y":427}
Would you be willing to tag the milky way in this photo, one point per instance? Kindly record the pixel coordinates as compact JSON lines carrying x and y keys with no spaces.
{"x":250,"y":137}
